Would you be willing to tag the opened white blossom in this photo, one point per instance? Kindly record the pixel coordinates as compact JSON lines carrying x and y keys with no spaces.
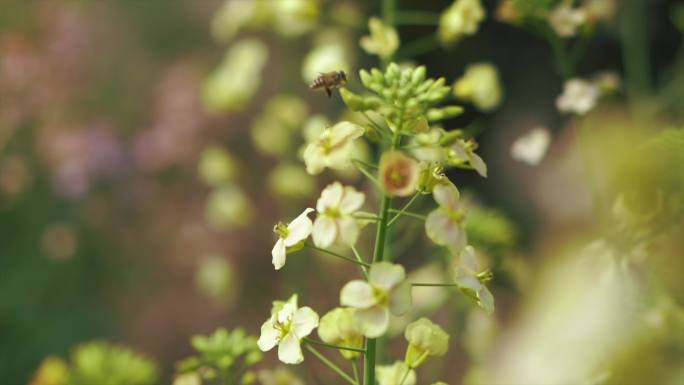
{"x":480,"y":84}
{"x":462,"y":18}
{"x":565,"y":19}
{"x":531,"y":147}
{"x":425,"y":339}
{"x":335,"y":220}
{"x":384,"y":292}
{"x":286,"y":327}
{"x":289,"y":236}
{"x":339,"y":327}
{"x":332,"y":148}
{"x":382,"y":41}
{"x":444,"y":225}
{"x":471,"y":281}
{"x":398,"y":373}
{"x":463,"y":152}
{"x":579,"y":96}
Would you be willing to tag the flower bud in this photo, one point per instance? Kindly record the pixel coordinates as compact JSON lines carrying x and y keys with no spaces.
{"x":447,"y":112}
{"x":425,"y":339}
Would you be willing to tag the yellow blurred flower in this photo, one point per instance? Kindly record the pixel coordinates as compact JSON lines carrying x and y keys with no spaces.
{"x":382,"y":41}
{"x":462,"y":18}
{"x":480,"y":84}
{"x":565,"y":20}
{"x":228,"y":206}
{"x":216,"y":166}
{"x":52,"y":371}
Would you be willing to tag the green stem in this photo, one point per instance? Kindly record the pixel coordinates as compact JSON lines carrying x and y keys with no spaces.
{"x":403,"y":209}
{"x":334,"y":254}
{"x":419,"y":46}
{"x":635,"y":53}
{"x":320,"y":343}
{"x":360,"y":166}
{"x":434,"y":284}
{"x":408,"y":214}
{"x":355,"y":368}
{"x":358,"y":258}
{"x":417,"y":18}
{"x":330,"y":364}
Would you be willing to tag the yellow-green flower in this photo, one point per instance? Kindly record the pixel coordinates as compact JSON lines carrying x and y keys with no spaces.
{"x":462,"y":18}
{"x":426,"y":339}
{"x":339,"y":327}
{"x":332,"y":148}
{"x":480,"y":84}
{"x":382,"y":41}
{"x":396,"y":374}
{"x":216,"y":166}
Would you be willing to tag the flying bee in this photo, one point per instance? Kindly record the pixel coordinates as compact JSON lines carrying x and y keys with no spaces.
{"x":328,"y":81}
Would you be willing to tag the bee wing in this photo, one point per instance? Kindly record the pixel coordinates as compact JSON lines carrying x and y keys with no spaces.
{"x":328,"y":91}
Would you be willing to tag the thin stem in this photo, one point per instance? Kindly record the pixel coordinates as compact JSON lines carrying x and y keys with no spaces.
{"x":330,"y":364}
{"x":320,"y":343}
{"x":359,"y":166}
{"x":419,"y":46}
{"x":374,"y":123}
{"x":409,"y":214}
{"x":371,"y":217}
{"x":358,"y":258}
{"x":355,"y":368}
{"x":560,"y":53}
{"x":334,"y":254}
{"x":361,"y":162}
{"x":417,"y":18}
{"x":403,"y":209}
{"x":434,"y":284}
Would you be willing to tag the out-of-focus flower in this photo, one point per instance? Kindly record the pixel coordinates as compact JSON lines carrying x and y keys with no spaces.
{"x":216,"y":166}
{"x":234,"y":15}
{"x":565,"y":20}
{"x":608,"y":82}
{"x":188,"y":379}
{"x":426,"y":339}
{"x":338,"y":327}
{"x":444,"y":225}
{"x":462,"y":18}
{"x":471,"y":281}
{"x":291,"y":181}
{"x":332,"y":148}
{"x":398,"y":173}
{"x":480,"y":84}
{"x":331,"y":52}
{"x":286,"y":327}
{"x":236,"y":80}
{"x":101,"y":363}
{"x":293,"y":18}
{"x":579,"y":96}
{"x":599,"y":10}
{"x":59,"y":241}
{"x":228,"y":206}
{"x":290,"y":236}
{"x":508,"y":12}
{"x":382,"y":41}
{"x":531,"y":147}
{"x":214,"y":277}
{"x":396,"y":374}
{"x":385,"y":292}
{"x":335,"y":220}
{"x":52,"y":371}
{"x":278,"y":376}
{"x":463,"y":151}
{"x":270,"y":136}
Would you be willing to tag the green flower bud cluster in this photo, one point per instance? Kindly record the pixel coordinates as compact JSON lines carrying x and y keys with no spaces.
{"x":103,"y":363}
{"x":403,"y":97}
{"x":221,"y":353}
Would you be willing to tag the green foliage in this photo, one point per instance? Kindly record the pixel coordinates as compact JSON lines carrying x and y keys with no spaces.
{"x":224,"y":354}
{"x":531,"y":7}
{"x":106,"y":364}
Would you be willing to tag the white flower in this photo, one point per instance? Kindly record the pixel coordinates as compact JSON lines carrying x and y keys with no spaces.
{"x":480,"y":84}
{"x":565,"y":20}
{"x":382,"y":41}
{"x":579,"y":96}
{"x":286,"y":327}
{"x":385,"y":291}
{"x":335,"y":221}
{"x":462,"y":18}
{"x":531,"y":147}
{"x":332,"y":148}
{"x":463,"y":151}
{"x":339,"y":327}
{"x":471,"y":282}
{"x":444,"y":225}
{"x":397,"y":374}
{"x":291,"y":235}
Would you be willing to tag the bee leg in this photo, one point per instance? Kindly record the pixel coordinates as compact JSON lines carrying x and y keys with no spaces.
{"x":328,"y":91}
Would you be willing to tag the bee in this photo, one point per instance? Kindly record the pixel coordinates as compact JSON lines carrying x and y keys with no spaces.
{"x":328,"y":81}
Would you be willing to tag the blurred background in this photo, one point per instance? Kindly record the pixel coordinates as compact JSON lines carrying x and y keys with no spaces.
{"x":148,"y":147}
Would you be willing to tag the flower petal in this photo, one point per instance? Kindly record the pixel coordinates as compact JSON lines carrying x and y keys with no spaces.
{"x":352,"y":200}
{"x":289,"y":351}
{"x":304,"y":322}
{"x":299,"y":229}
{"x":486,"y":299}
{"x":345,"y":132}
{"x":373,"y":321}
{"x":400,"y":299}
{"x":443,"y":230}
{"x":269,"y":336}
{"x":386,"y":275}
{"x":331,"y":196}
{"x":314,"y":158}
{"x":447,"y":195}
{"x":324,"y":231}
{"x":279,"y":254}
{"x":358,"y":294}
{"x":349,"y":230}
{"x":478,"y":164}
{"x":468,"y":258}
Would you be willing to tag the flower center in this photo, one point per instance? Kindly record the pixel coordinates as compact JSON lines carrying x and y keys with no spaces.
{"x":381,"y":295}
{"x":281,"y":229}
{"x":332,"y":212}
